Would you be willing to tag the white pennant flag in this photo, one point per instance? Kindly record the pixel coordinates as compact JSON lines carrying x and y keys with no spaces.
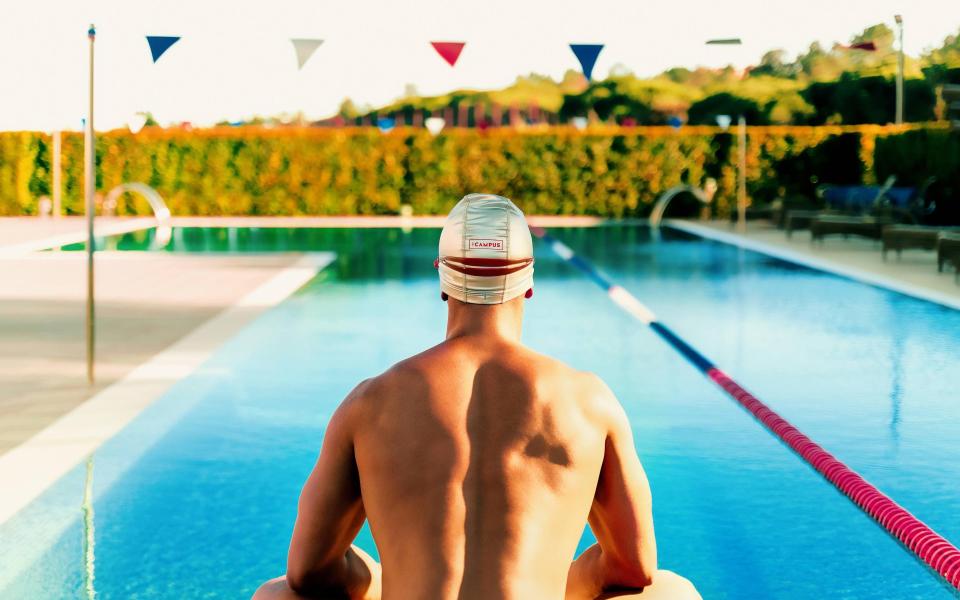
{"x":435,"y":124}
{"x":305,"y":48}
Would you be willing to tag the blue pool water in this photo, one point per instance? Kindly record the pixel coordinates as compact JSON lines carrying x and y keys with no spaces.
{"x":196,"y":498}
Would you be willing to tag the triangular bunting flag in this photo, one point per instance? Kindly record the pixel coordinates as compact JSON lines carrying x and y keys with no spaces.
{"x":160,"y":44}
{"x":435,"y":124}
{"x":865,"y":46}
{"x":725,"y":42}
{"x":449,"y":51}
{"x":587,"y":55}
{"x":305,"y":48}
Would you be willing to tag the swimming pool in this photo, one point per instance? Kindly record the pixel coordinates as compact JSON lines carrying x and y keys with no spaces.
{"x":197,"y":496}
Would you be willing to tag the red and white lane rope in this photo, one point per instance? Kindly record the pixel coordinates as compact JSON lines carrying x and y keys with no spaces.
{"x":927,"y":545}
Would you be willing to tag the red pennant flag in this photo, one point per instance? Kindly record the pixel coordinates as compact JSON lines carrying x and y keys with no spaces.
{"x":449,"y":51}
{"x":865,"y":46}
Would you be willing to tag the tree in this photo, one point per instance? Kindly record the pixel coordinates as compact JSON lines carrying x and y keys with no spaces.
{"x":856,"y":100}
{"x":609,"y":100}
{"x":819,"y":64}
{"x":348,"y":109}
{"x":706,"y":111}
{"x":775,"y":64}
{"x":942,"y":65}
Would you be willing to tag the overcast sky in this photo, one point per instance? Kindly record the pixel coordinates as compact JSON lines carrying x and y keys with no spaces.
{"x":235,"y":59}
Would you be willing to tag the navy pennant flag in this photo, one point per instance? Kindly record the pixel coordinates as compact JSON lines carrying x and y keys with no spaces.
{"x":587,"y":55}
{"x":305,"y":47}
{"x":160,"y":44}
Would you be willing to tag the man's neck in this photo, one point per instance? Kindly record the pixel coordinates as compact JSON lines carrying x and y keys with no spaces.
{"x":501,"y":321}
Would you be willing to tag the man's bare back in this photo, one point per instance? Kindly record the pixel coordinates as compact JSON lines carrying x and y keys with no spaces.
{"x":477,"y":464}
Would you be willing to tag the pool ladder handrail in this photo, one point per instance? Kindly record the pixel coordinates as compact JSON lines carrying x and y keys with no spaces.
{"x":660,"y":207}
{"x":160,"y":210}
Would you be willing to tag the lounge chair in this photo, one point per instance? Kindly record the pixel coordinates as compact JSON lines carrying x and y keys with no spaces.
{"x":869,"y":227}
{"x":906,"y":237}
{"x":948,"y":251}
{"x":860,"y":199}
{"x":799,"y":219}
{"x":890,"y":205}
{"x":840,"y":201}
{"x":783,"y":206}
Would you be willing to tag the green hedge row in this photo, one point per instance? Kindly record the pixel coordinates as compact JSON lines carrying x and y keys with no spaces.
{"x":612,"y":171}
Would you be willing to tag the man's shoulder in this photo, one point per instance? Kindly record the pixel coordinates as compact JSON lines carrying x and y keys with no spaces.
{"x":404,"y":375}
{"x":558,"y":375}
{"x":556,"y":368}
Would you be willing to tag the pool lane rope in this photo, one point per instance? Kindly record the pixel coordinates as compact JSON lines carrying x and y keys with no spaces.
{"x":927,"y":545}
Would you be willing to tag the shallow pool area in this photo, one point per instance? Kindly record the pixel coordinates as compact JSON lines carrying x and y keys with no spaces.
{"x":196,"y":498}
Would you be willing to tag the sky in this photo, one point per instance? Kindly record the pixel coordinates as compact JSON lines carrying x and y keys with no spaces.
{"x":236,"y":60}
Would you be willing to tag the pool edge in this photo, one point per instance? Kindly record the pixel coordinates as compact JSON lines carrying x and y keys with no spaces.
{"x":854,"y":273}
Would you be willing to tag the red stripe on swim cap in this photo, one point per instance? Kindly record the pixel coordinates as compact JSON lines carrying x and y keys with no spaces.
{"x":486,"y":271}
{"x":486,"y":262}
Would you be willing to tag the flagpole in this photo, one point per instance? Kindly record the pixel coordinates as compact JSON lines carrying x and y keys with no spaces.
{"x":899,"y":115}
{"x":90,"y":184}
{"x":742,"y":172}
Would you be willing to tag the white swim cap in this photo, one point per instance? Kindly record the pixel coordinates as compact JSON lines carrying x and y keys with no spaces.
{"x":486,"y":252}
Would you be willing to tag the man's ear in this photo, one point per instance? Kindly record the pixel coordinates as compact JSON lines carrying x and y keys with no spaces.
{"x":444,"y":296}
{"x":528,"y":294}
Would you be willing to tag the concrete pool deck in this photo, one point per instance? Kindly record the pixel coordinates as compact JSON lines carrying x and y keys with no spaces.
{"x":914,"y":273}
{"x":145,"y":304}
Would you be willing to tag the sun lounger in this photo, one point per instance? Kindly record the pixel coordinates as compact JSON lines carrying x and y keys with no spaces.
{"x":906,"y":237}
{"x":790,"y":203}
{"x":948,"y":251}
{"x":870,"y":227}
{"x":861,"y":199}
{"x":799,"y":219}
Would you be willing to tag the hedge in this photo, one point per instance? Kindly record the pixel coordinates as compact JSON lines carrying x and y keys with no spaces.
{"x":607,"y":171}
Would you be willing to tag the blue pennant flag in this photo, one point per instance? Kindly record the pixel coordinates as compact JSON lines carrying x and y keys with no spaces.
{"x":587,"y":55}
{"x":160,"y":44}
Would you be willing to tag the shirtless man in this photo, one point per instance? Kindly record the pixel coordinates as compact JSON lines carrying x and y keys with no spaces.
{"x":478,"y":461}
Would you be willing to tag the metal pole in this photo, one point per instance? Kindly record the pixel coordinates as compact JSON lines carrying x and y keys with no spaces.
{"x":742,"y":173}
{"x":899,"y":117}
{"x":90,"y":184}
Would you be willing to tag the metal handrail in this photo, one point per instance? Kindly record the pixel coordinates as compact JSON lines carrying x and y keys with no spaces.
{"x":160,"y":210}
{"x":656,"y":215}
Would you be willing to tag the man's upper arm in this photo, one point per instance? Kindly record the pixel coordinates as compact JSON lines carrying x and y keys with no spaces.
{"x":330,"y":511}
{"x":622,"y":514}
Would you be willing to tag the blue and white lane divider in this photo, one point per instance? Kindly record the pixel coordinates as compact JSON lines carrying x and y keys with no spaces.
{"x":933,"y":549}
{"x":625,"y":300}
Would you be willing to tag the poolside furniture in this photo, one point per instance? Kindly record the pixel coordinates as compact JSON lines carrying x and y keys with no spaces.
{"x":869,"y":227}
{"x":948,"y":251}
{"x":783,"y":206}
{"x":906,"y":237}
{"x":799,"y":219}
{"x":766,"y":211}
{"x":860,"y":199}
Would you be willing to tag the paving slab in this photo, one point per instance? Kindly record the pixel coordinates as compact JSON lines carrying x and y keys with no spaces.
{"x":145,"y":303}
